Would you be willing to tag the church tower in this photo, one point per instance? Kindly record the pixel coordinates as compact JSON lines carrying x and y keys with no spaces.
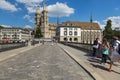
{"x":41,"y":20}
{"x":44,"y":22}
{"x":37,"y":18}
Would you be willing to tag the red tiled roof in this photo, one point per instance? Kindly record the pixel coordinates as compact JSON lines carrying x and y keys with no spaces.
{"x":82,"y":25}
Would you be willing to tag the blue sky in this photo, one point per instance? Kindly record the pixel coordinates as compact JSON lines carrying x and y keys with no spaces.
{"x":20,"y":13}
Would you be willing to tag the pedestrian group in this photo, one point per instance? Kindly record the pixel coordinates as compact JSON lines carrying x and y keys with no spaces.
{"x":106,"y":51}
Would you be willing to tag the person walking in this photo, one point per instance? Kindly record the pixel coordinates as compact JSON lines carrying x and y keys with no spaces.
{"x":105,"y":51}
{"x":115,"y":55}
{"x":95,"y":47}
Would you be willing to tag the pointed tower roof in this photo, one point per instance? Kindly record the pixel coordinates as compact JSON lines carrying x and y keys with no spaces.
{"x":91,"y":18}
{"x":38,"y":10}
{"x":44,"y":5}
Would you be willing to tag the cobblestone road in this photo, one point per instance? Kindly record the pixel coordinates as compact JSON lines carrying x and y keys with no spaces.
{"x":46,"y":62}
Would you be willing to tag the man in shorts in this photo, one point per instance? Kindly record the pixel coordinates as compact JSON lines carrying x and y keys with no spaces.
{"x":115,"y":56}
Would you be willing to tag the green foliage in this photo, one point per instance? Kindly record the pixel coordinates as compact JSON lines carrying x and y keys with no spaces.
{"x":1,"y":27}
{"x":108,"y":32}
{"x":33,"y":32}
{"x":38,"y":33}
{"x":116,"y":33}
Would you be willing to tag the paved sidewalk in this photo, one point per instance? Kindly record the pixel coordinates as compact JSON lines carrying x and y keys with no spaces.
{"x":10,"y":53}
{"x":93,"y":66}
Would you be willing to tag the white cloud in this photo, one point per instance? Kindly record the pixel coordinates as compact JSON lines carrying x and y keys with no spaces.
{"x":116,"y":9}
{"x":31,"y":9}
{"x":27,"y":26}
{"x":115,"y":21}
{"x":5,"y":5}
{"x":30,"y":4}
{"x":6,"y":26}
{"x":101,"y":25}
{"x":29,"y":18}
{"x":59,"y":9}
{"x":29,"y":1}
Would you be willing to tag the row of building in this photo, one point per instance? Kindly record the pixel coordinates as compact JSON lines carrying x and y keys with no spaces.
{"x":15,"y":34}
{"x":69,"y":31}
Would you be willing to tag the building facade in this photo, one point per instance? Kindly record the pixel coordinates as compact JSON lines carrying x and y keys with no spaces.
{"x":68,"y":33}
{"x":15,"y":34}
{"x":82,"y":32}
{"x":41,"y":20}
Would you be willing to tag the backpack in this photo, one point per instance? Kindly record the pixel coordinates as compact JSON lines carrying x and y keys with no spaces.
{"x":119,"y":48}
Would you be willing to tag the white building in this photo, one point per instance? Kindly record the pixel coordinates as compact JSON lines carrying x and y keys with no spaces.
{"x":82,"y":32}
{"x":69,"y":33}
{"x":17,"y":34}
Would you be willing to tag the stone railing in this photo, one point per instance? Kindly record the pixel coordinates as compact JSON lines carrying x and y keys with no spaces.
{"x":84,"y":47}
{"x":9,"y":46}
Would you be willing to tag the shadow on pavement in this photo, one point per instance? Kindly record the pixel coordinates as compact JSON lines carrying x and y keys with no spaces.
{"x":99,"y":66}
{"x":96,"y":60}
{"x":115,"y":72}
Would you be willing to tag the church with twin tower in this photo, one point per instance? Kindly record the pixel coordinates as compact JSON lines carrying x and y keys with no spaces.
{"x":41,"y":20}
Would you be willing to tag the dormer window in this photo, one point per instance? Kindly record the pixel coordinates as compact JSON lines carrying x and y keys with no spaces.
{"x":65,"y":29}
{"x":67,"y":24}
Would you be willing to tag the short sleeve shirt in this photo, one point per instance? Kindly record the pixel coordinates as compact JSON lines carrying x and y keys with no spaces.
{"x":115,"y":45}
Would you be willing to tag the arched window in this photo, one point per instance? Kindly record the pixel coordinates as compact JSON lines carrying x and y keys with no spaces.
{"x":65,"y":39}
{"x":70,"y":39}
{"x":65,"y":32}
{"x":70,"y":33}
{"x":75,"y":39}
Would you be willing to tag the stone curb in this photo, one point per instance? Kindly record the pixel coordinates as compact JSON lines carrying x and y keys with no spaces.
{"x":89,"y":70}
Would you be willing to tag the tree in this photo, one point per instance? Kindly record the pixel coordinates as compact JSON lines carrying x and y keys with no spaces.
{"x":108,"y":32}
{"x":38,"y":33}
{"x":1,"y":27}
{"x":116,"y":32}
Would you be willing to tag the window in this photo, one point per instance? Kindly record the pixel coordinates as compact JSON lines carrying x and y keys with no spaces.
{"x":65,"y":32}
{"x":65,"y":39}
{"x":70,"y":33}
{"x":75,"y":39}
{"x":70,"y":39}
{"x":70,"y":28}
{"x":75,"y":28}
{"x":65,"y":29}
{"x":75,"y":33}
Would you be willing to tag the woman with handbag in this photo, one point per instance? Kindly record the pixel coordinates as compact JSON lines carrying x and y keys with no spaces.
{"x":105,"y":51}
